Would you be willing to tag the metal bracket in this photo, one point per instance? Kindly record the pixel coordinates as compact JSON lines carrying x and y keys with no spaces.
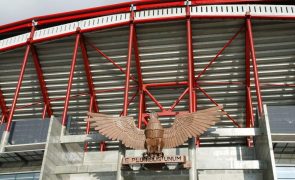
{"x":187,"y":3}
{"x":248,"y":14}
{"x":34,"y":23}
{"x":132,"y":7}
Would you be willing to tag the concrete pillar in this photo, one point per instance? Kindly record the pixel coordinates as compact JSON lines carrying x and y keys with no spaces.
{"x":4,"y":140}
{"x":121,"y":154}
{"x":192,"y":158}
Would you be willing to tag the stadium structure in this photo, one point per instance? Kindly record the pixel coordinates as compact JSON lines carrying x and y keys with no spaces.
{"x":169,"y":57}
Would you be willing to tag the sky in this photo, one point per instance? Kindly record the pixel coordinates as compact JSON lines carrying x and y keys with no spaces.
{"x":15,"y":10}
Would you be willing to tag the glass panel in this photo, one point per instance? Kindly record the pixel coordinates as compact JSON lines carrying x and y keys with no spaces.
{"x":20,"y":176}
{"x":286,"y":173}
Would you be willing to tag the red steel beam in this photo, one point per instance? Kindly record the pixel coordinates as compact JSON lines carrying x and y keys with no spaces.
{"x":3,"y":107}
{"x":220,"y":52}
{"x":108,"y":26}
{"x":88,"y":74}
{"x":141,"y":108}
{"x":214,"y":102}
{"x":72,"y":96}
{"x":90,"y":109}
{"x":114,"y":8}
{"x":191,"y":83}
{"x":167,"y":113}
{"x":128,"y":67}
{"x":93,"y":103}
{"x":70,"y":81}
{"x":88,"y":123}
{"x":44,"y":111}
{"x":154,"y":99}
{"x":165,"y":84}
{"x":141,"y":103}
{"x":130,"y":101}
{"x":178,"y":99}
{"x":20,"y":79}
{"x":42,"y":82}
{"x":110,"y":60}
{"x":249,"y":108}
{"x":221,"y":83}
{"x":191,"y":70}
{"x":254,"y":64}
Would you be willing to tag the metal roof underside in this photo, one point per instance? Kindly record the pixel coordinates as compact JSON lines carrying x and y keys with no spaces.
{"x":163,"y":54}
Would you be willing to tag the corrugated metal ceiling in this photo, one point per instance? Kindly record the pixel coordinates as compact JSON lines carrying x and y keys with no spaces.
{"x":163,"y":54}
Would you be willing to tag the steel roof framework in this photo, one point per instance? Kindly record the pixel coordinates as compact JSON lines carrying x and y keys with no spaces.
{"x":144,"y":89}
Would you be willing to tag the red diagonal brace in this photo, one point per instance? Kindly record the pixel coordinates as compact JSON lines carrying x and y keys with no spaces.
{"x":110,"y":60}
{"x":179,"y":99}
{"x":88,"y":74}
{"x":42,"y":82}
{"x":214,"y":102}
{"x":130,"y":101}
{"x":219,"y":53}
{"x":254,"y":63}
{"x":3,"y":107}
{"x":154,"y":99}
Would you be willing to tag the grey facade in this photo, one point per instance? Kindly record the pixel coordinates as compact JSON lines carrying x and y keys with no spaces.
{"x":54,"y":151}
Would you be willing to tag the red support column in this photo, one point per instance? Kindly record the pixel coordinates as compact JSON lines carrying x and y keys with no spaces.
{"x":191,"y":69}
{"x":191,"y":83}
{"x":20,"y":79}
{"x":74,"y":59}
{"x":254,"y":64}
{"x":3,"y":107}
{"x":141,"y":102}
{"x":121,"y":153}
{"x":42,"y":83}
{"x":191,"y":90}
{"x":249,"y":107}
{"x":128,"y":64}
{"x":88,"y":123}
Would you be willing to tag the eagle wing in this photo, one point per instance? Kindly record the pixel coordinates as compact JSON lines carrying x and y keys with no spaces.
{"x":190,"y":125}
{"x":118,"y":128}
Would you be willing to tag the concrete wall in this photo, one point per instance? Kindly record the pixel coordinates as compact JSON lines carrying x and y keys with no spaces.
{"x":57,"y":154}
{"x":230,"y":175}
{"x":67,"y":161}
{"x":264,"y":149}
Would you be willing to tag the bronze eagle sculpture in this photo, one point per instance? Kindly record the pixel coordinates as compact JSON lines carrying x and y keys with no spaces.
{"x":154,"y":137}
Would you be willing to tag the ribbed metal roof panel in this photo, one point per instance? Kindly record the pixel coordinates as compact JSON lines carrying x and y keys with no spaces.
{"x":163,"y":54}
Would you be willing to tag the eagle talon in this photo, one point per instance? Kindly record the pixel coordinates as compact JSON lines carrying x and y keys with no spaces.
{"x":146,"y":155}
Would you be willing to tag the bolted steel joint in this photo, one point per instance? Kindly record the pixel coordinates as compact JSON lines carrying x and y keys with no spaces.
{"x":78,"y":30}
{"x":29,"y":40}
{"x":34,"y":23}
{"x":248,"y":15}
{"x":187,"y":3}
